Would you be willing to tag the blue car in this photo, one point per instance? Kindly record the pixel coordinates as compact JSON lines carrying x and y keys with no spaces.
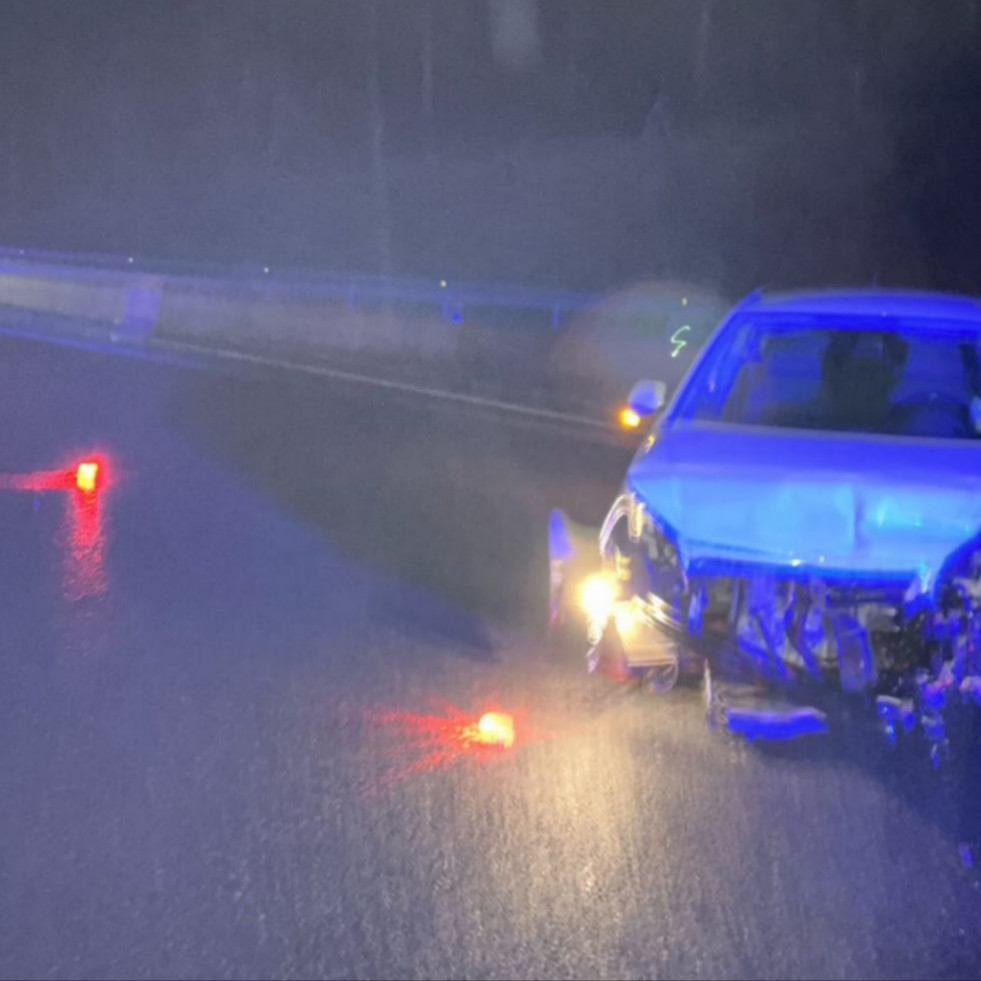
{"x":803,"y":515}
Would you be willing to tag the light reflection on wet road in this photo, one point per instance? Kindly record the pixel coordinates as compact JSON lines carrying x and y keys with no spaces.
{"x":84,"y":544}
{"x":235,"y":695}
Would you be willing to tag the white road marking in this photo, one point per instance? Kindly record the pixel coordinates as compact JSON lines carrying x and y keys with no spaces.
{"x":157,"y":349}
{"x":437,"y":393}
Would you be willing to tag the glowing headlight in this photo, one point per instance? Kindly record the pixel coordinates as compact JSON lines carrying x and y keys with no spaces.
{"x":597,"y":596}
{"x":627,"y":620}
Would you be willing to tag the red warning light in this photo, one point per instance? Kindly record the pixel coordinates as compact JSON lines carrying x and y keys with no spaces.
{"x":450,"y":735}
{"x":87,"y":476}
{"x":496,"y":729}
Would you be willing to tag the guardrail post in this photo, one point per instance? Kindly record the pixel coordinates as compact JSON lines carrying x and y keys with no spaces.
{"x":140,"y":315}
{"x":556,"y":313}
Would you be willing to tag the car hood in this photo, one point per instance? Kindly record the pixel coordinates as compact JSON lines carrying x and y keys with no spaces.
{"x":801,"y":500}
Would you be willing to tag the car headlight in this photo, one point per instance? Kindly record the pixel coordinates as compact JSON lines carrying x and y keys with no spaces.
{"x":597,"y":595}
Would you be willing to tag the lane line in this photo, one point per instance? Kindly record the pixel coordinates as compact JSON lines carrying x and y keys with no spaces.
{"x":479,"y":401}
{"x":163,"y":351}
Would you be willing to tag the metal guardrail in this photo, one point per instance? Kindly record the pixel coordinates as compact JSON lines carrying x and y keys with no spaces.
{"x":454,"y":300}
{"x":512,"y":365}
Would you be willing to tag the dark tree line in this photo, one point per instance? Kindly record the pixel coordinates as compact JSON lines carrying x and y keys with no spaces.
{"x":112,"y":111}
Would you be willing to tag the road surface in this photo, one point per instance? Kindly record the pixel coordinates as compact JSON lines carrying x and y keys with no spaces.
{"x":234,"y":704}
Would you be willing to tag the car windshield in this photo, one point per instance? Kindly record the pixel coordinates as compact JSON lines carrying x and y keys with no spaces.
{"x":884,"y":378}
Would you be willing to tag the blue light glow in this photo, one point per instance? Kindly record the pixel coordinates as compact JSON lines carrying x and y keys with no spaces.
{"x":756,"y":724}
{"x":559,"y":540}
{"x":797,"y":500}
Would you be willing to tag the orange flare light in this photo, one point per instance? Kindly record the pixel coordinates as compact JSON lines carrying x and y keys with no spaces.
{"x":87,"y":476}
{"x":496,"y":729}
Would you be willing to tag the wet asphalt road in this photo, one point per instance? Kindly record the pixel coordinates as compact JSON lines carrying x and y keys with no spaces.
{"x":232,"y":700}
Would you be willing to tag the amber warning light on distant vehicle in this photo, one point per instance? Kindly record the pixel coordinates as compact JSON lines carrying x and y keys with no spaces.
{"x":628,"y":418}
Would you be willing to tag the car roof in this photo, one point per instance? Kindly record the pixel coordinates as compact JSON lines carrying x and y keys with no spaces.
{"x":900,"y":304}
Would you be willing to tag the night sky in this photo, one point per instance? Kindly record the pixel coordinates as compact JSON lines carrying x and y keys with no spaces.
{"x":581,"y":144}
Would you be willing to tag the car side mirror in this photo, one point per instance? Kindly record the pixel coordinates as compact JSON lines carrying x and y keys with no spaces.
{"x":646,"y":397}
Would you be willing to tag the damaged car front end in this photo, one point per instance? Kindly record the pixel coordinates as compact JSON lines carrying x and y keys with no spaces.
{"x":804,"y":518}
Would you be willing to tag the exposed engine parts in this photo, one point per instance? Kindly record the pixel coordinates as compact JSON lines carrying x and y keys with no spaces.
{"x":911,"y":647}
